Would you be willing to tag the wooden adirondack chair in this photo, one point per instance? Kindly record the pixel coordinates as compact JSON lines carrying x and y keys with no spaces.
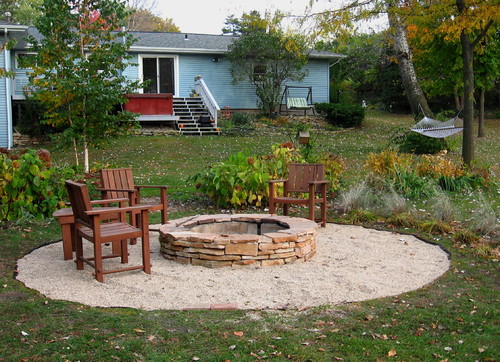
{"x":119,"y":182}
{"x":89,"y":226}
{"x":302,"y":178}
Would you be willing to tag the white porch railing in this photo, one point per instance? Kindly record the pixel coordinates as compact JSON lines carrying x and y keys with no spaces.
{"x":201,"y":88}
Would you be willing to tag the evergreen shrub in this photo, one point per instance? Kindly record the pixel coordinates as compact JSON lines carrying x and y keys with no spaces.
{"x":343,"y":115}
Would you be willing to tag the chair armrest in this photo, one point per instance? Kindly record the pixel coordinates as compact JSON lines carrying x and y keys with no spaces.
{"x":151,"y":186}
{"x":114,"y":210}
{"x":109,"y":201}
{"x":319,"y":182}
{"x":275,"y":181}
{"x":116,"y":190}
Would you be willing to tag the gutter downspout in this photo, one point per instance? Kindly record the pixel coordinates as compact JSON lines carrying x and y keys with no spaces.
{"x":8,"y":96}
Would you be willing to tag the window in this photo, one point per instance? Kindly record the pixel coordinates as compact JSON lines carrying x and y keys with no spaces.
{"x":259,"y":72}
{"x":23,"y":59}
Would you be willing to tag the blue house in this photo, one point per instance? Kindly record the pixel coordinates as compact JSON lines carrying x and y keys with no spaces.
{"x":189,"y":67}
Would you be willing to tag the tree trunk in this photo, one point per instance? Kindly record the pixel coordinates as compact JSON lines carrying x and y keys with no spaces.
{"x":86,"y":166}
{"x":458,"y":100}
{"x":468,"y":103}
{"x":468,"y":74}
{"x":414,"y":93}
{"x":75,"y":150}
{"x":480,"y":129}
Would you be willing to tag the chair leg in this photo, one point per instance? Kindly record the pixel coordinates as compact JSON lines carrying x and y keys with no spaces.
{"x":311,"y":212}
{"x":272,"y":208}
{"x":124,"y":251}
{"x":323,"y":213}
{"x":146,"y":257}
{"x":285,"y":209}
{"x":98,"y":262}
{"x":79,"y":252}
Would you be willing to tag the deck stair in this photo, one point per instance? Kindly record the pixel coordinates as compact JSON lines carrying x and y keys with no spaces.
{"x":194,"y":118}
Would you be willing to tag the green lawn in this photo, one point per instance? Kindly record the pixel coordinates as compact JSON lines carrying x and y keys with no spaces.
{"x":454,"y":318}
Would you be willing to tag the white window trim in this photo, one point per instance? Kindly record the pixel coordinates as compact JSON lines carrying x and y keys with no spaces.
{"x":176,"y":69}
{"x":17,"y":60}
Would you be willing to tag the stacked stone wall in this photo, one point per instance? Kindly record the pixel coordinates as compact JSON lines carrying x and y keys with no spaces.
{"x":294,"y":240}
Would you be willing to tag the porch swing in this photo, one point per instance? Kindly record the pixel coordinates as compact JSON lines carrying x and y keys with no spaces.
{"x":291,"y":100}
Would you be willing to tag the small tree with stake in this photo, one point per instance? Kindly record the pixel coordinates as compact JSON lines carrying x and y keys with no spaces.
{"x":267,"y":58}
{"x":78,"y":71}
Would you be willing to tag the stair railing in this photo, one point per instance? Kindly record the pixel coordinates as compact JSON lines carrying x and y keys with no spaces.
{"x":201,"y":88}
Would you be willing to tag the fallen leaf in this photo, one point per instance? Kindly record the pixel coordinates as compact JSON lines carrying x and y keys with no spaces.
{"x":139,"y":330}
{"x":238,"y":334}
{"x":369,"y":317}
{"x":392,"y":353}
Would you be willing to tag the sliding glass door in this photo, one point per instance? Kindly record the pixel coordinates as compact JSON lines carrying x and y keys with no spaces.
{"x":160,"y":74}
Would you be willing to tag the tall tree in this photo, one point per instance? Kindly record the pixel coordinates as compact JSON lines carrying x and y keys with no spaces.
{"x":468,"y":22}
{"x":22,"y":11}
{"x":145,"y":20}
{"x":341,"y":22}
{"x":78,"y":70}
{"x":267,"y":58}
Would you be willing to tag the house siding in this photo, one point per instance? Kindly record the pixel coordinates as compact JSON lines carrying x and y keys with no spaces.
{"x":217,"y":76}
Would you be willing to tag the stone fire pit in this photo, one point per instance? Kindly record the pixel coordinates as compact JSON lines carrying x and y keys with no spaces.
{"x":238,"y":240}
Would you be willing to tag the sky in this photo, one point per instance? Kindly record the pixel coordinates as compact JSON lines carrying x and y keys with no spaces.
{"x":208,"y":16}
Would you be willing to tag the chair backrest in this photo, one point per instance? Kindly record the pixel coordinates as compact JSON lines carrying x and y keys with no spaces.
{"x":300,"y":174}
{"x":80,"y":201}
{"x":117,"y":178}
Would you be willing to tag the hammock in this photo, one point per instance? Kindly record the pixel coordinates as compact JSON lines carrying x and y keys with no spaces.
{"x":433,"y":128}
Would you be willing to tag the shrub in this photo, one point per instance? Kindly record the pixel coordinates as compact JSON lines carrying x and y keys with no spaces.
{"x":344,"y":115}
{"x":361,"y":216}
{"x":405,"y":220}
{"x":393,"y":203}
{"x":388,"y":162}
{"x":358,"y":197}
{"x":436,"y":227}
{"x":242,"y":119}
{"x":240,"y":181}
{"x":413,"y":142}
{"x":442,"y":208}
{"x":465,"y":236}
{"x":29,"y":185}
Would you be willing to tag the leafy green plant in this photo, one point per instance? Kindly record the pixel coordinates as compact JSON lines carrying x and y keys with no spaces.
{"x":413,"y":142}
{"x":344,"y":115}
{"x":29,"y":185}
{"x":240,"y":181}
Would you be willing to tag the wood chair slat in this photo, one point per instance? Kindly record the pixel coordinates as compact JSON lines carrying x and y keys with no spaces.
{"x":122,"y":178}
{"x":302,"y":179}
{"x":89,"y":226}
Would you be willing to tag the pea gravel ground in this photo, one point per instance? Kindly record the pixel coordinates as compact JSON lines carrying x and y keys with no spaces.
{"x":352,"y":263}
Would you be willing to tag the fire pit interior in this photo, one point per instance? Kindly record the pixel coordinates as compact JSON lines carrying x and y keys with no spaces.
{"x":238,"y":240}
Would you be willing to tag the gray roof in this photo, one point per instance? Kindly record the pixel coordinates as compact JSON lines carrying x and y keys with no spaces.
{"x":11,"y":26}
{"x":155,"y":42}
